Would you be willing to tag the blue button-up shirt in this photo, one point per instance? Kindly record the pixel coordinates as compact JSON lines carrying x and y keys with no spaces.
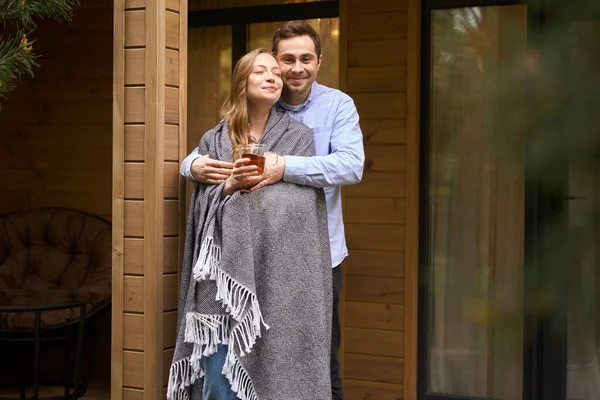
{"x":332,"y":117}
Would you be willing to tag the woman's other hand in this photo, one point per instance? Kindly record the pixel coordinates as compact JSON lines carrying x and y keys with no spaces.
{"x":274,"y":169}
{"x":243,"y":176}
{"x":209,"y":171}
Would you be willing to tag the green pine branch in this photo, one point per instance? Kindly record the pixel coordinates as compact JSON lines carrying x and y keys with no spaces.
{"x":17,"y":57}
{"x":23,"y":12}
{"x":16,"y":60}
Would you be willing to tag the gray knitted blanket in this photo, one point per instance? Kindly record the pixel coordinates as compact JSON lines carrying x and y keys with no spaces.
{"x":256,"y":276}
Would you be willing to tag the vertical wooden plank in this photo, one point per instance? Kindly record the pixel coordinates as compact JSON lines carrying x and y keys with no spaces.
{"x":133,"y":394}
{"x":118,"y":207}
{"x":154,"y":197}
{"x":343,"y":84}
{"x":183,"y":78}
{"x":133,"y":368}
{"x":411,"y":262}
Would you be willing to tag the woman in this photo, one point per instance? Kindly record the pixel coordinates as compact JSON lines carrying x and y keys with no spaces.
{"x":255,"y":302}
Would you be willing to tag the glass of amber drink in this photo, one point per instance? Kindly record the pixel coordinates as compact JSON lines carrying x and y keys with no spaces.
{"x":255,"y":153}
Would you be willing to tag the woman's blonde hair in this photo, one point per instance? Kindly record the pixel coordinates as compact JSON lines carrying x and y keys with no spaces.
{"x":235,"y":108}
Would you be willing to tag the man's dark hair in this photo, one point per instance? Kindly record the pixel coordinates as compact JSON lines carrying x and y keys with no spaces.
{"x":296,"y":28}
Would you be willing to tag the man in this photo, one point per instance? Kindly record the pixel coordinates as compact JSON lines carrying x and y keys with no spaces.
{"x":333,"y":120}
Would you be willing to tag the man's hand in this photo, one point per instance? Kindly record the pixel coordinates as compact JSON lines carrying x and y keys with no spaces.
{"x":274,"y":169}
{"x":206,"y":170}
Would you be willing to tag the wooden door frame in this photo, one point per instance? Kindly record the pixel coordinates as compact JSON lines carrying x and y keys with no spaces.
{"x":413,"y":132}
{"x":149,"y":140}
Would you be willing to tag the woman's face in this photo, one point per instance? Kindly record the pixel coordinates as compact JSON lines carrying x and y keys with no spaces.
{"x":264,"y":83}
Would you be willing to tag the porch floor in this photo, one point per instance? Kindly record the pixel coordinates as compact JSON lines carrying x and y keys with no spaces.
{"x":97,"y":390}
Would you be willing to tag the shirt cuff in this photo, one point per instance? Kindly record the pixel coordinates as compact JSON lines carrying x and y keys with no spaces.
{"x":295,"y":167}
{"x":187,"y":169}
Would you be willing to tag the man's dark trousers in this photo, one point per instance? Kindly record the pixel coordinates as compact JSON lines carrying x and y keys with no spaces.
{"x":336,"y":376}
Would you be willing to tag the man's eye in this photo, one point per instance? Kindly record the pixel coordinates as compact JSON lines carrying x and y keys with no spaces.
{"x":306,"y":59}
{"x":288,"y":60}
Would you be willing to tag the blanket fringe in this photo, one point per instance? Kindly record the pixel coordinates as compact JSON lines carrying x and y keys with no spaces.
{"x":181,"y":376}
{"x":239,"y":301}
{"x":236,"y":374}
{"x":243,"y":307}
{"x":206,"y":330}
{"x":241,"y":304}
{"x":238,"y":377}
{"x":208,"y":260}
{"x":209,"y":330}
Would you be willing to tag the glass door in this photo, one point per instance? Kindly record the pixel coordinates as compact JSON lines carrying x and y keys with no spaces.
{"x":583,"y":294}
{"x":472,"y":243}
{"x":563,"y":149}
{"x":510,"y":215}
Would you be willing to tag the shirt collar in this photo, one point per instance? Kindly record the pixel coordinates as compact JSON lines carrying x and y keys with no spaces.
{"x":314,"y":89}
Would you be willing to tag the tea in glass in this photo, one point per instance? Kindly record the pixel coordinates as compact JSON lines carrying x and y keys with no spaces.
{"x":255,"y":153}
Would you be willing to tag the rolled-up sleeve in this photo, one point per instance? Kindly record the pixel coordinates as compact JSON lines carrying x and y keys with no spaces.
{"x":186,"y":165}
{"x":343,"y":165}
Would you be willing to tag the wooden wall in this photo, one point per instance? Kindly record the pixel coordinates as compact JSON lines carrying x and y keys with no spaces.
{"x":149,"y":122}
{"x":55,"y":129}
{"x":379,"y":339}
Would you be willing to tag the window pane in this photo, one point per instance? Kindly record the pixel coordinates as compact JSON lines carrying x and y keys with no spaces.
{"x":476,"y":189}
{"x":209,"y":78}
{"x":261,"y":35}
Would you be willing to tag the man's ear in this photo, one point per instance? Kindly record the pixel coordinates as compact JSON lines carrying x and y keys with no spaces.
{"x":319,"y":63}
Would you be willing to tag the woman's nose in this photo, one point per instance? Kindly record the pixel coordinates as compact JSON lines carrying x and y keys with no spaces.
{"x":270,"y":77}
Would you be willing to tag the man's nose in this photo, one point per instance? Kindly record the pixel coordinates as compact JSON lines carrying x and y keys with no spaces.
{"x":297,"y":67}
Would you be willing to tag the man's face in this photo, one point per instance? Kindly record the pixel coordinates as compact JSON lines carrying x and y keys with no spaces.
{"x":299,"y":64}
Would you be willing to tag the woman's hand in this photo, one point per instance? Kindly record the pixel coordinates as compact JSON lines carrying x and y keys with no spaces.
{"x":243,"y":176}
{"x":274,"y":169}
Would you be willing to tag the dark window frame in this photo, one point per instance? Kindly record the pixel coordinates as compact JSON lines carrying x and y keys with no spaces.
{"x":239,"y":18}
{"x":544,"y":358}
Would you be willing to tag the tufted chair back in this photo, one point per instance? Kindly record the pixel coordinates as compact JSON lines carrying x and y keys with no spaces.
{"x":59,"y":253}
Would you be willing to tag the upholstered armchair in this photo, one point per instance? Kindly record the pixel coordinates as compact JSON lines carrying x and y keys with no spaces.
{"x":55,"y":265}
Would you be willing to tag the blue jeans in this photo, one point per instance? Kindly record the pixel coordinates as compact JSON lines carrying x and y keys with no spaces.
{"x":216,"y":386}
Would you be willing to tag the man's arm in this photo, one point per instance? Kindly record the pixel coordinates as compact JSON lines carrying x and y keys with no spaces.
{"x":186,"y":165}
{"x":343,"y":165}
{"x":202,"y":168}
